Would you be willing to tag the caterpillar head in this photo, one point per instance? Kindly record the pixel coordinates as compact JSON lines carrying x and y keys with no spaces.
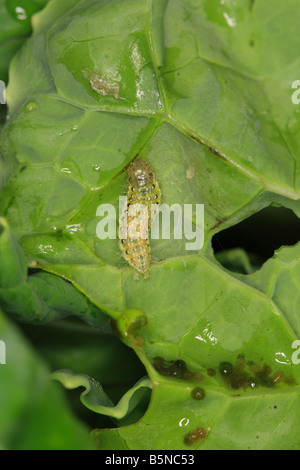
{"x":140,"y":174}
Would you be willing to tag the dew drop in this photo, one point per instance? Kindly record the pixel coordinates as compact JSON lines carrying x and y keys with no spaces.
{"x":31,"y":106}
{"x":96,"y":167}
{"x":184,"y":422}
{"x":74,"y":228}
{"x":66,"y":170}
{"x":20,"y":13}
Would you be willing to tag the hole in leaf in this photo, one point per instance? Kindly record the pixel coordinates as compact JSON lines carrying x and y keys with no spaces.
{"x":245,"y":247}
{"x":71,"y":344}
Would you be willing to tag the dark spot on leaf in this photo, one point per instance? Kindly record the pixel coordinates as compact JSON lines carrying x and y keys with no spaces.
{"x":249,"y":374}
{"x":59,"y":233}
{"x":115,"y":328}
{"x":176,"y":369}
{"x":198,"y":393}
{"x":194,"y":436}
{"x":211,"y":372}
{"x":225,"y":368}
{"x":220,"y":222}
{"x":208,"y":147}
{"x":138,"y":342}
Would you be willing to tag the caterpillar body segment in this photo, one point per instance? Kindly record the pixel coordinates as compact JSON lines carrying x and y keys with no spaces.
{"x":143,"y":200}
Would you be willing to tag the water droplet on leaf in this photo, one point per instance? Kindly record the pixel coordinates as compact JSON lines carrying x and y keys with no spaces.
{"x":31,"y":106}
{"x":21,"y":14}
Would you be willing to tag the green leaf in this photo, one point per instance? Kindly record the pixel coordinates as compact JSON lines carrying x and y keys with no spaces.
{"x":279,"y":279}
{"x":226,"y":422}
{"x":202,"y":91}
{"x":16,"y":26}
{"x":28,"y":398}
{"x":39,"y":297}
{"x":71,"y":344}
{"x":236,"y":260}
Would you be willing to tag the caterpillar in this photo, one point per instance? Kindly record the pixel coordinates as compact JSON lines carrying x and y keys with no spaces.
{"x":142,"y":203}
